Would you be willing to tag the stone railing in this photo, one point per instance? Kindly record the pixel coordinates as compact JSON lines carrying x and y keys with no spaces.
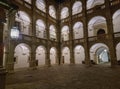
{"x":77,"y":15}
{"x":25,"y":37}
{"x":115,"y":2}
{"x":100,"y":37}
{"x":28,"y":5}
{"x":98,"y":7}
{"x":65,"y":42}
{"x":81,"y":40}
{"x":40,"y":12}
{"x":117,"y":34}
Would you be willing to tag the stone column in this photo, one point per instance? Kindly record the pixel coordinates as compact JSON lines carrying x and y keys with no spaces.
{"x":72,"y":59}
{"x":10,"y":44}
{"x":32,"y":60}
{"x":47,"y":61}
{"x":2,"y":70}
{"x":10,"y":59}
{"x":112,"y":49}
{"x":58,"y":30}
{"x":2,"y":77}
{"x":86,"y":43}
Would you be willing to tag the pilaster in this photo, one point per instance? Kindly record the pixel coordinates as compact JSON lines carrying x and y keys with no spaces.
{"x":112,"y":47}
{"x":86,"y":43}
{"x":32,"y":60}
{"x":72,"y":61}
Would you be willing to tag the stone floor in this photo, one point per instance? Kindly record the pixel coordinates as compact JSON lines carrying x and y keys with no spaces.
{"x":66,"y":77}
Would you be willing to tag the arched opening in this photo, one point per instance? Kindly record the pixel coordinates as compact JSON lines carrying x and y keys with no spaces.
{"x":65,"y":56}
{"x":77,"y":7}
{"x":78,"y":30}
{"x":41,"y":55}
{"x":95,"y":25}
{"x":116,"y":21}
{"x":21,"y":56}
{"x":79,"y":54}
{"x":100,"y":32}
{"x":53,"y":33}
{"x":65,"y":33}
{"x":53,"y":55}
{"x":40,"y":4}
{"x":102,"y":55}
{"x":64,"y":12}
{"x":40,"y":29}
{"x":118,"y":52}
{"x":24,"y":23}
{"x":52,"y":11}
{"x":93,"y":3}
{"x":99,"y":53}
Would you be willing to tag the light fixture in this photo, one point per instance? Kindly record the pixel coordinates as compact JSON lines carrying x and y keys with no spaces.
{"x":14,"y":33}
{"x":105,"y":50}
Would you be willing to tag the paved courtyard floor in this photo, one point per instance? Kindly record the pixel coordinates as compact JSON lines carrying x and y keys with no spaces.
{"x":65,"y":77}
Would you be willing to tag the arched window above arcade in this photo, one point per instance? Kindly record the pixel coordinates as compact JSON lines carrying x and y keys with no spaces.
{"x":77,"y":7}
{"x":64,"y":12}
{"x":52,"y":32}
{"x":40,"y":29}
{"x":24,"y":22}
{"x":93,"y":3}
{"x":52,"y":11}
{"x":40,"y":4}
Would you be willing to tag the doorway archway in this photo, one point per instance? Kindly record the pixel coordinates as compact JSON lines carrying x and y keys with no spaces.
{"x":21,"y":56}
{"x":99,"y":53}
{"x":41,"y":55}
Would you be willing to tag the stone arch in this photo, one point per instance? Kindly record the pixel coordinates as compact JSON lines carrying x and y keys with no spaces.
{"x":118,"y":51}
{"x":41,"y":55}
{"x":116,"y":21}
{"x":64,"y":12}
{"x":53,"y":55}
{"x":99,"y":53}
{"x":52,"y":11}
{"x":96,"y":23}
{"x":40,"y":29}
{"x":52,"y":31}
{"x":78,"y":30}
{"x":65,"y":33}
{"x":93,"y":3}
{"x":65,"y":56}
{"x":77,"y":7}
{"x":22,"y":55}
{"x":79,"y":54}
{"x":23,"y":22}
{"x":100,"y":32}
{"x":40,"y":4}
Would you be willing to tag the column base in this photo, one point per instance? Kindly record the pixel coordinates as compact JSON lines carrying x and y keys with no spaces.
{"x":10,"y":67}
{"x":2,"y":78}
{"x":33,"y":64}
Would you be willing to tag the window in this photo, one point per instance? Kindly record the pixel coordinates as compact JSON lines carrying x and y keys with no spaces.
{"x":52,"y":32}
{"x":52,"y":11}
{"x":93,"y":3}
{"x":40,"y":29}
{"x":64,"y":13}
{"x":24,"y":20}
{"x":40,"y":4}
{"x":77,"y":7}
